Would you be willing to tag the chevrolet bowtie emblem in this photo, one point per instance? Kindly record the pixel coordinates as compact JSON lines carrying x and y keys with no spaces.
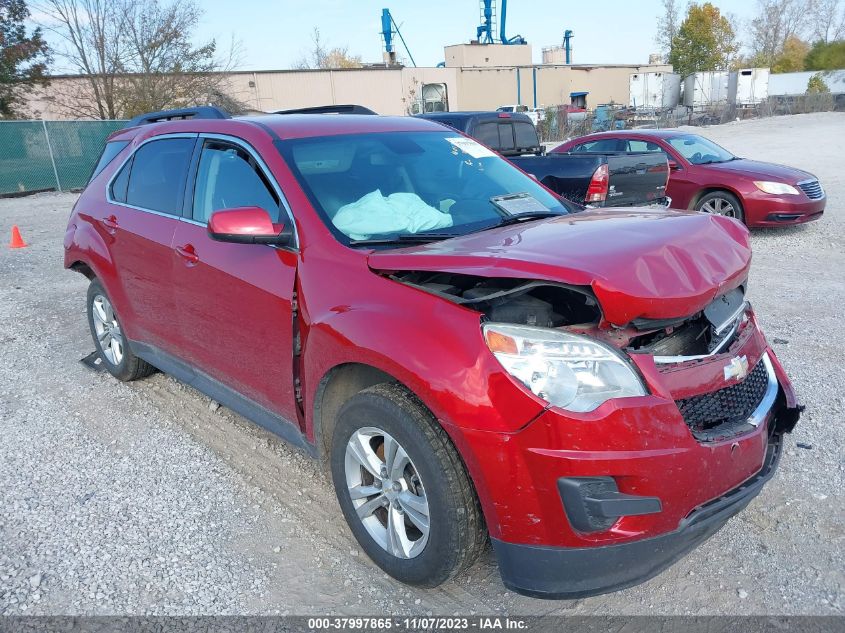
{"x":737,"y":368}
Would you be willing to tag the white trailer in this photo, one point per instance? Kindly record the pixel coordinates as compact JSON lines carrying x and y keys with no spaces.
{"x":654,"y":91}
{"x":748,"y":86}
{"x":793,"y":84}
{"x":706,"y":89}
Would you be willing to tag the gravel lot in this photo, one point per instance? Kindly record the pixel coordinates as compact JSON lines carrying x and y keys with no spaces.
{"x":143,"y":498}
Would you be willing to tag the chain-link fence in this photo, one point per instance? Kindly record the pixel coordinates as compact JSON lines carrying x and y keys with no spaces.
{"x":50,"y":155}
{"x":560,"y":123}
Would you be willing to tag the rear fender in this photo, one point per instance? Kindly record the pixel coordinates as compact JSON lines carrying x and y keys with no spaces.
{"x":84,"y":245}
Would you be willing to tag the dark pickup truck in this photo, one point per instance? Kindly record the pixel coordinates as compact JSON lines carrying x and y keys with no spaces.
{"x":596,"y":179}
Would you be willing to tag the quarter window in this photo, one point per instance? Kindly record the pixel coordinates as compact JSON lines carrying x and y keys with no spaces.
{"x":120,"y":184}
{"x":157,"y":176}
{"x":229,"y":177}
{"x":111,"y":150}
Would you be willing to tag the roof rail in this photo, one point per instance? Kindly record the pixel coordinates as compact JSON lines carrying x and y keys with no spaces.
{"x":200,"y":112}
{"x":329,"y":109}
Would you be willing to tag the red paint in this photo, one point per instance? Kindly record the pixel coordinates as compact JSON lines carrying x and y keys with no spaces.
{"x":227,"y":309}
{"x":688,"y":182}
{"x":247,"y":221}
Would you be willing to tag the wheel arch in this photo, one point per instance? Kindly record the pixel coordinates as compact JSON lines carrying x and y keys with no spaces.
{"x":337,"y":385}
{"x":84,"y":269}
{"x":713,"y":189}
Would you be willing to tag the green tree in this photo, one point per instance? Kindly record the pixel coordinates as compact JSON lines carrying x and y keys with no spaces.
{"x":705,"y":41}
{"x":23,"y":58}
{"x":816,"y":85}
{"x":826,"y":56}
{"x":791,"y":58}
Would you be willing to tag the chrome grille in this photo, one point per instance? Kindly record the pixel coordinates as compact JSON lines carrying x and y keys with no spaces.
{"x":812,"y":188}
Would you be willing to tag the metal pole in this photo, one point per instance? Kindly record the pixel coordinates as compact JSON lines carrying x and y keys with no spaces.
{"x":52,"y":158}
{"x":534,"y":81}
{"x":399,"y":33}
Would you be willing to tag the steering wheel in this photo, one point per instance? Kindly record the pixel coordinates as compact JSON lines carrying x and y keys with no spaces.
{"x":695,"y":158}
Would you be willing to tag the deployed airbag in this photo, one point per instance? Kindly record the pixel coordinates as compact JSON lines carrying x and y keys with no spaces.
{"x":375,"y":214}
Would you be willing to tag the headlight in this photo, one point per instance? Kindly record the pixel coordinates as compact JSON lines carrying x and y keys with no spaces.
{"x":776,"y":188}
{"x":573,"y":372}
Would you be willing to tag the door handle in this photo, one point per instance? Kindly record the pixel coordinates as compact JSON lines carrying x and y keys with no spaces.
{"x":110,"y":223}
{"x":187,"y":253}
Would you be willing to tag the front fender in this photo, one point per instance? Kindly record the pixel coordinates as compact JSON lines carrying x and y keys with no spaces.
{"x":432,"y":346}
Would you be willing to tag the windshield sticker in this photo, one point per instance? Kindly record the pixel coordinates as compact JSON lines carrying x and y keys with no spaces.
{"x":518,"y":203}
{"x":468,"y":146}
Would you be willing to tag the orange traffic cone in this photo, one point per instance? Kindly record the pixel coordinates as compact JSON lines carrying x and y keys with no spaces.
{"x":17,"y":240}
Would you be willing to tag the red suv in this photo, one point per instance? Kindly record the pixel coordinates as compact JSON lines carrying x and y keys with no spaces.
{"x":468,"y":354}
{"x":708,"y":178}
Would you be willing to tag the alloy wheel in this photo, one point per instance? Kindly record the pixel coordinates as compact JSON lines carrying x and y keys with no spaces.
{"x":387,"y":492}
{"x":719,"y":206}
{"x":108,"y":329}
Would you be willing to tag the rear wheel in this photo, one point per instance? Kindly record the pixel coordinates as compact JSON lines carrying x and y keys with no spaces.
{"x":111,"y":344}
{"x":721,"y":203}
{"x":403,"y":488}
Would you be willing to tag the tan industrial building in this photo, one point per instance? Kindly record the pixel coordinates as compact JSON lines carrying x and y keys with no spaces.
{"x":475,"y":77}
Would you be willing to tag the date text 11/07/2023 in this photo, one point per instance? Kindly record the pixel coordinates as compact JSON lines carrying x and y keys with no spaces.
{"x":428,"y":623}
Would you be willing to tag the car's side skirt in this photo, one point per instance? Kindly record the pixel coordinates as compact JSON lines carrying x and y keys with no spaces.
{"x":225,"y":395}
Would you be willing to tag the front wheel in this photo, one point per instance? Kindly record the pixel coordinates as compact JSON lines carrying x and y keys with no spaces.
{"x":403,"y":489}
{"x":721,"y":203}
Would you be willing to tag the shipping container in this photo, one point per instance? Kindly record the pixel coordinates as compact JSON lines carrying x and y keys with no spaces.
{"x":748,"y":86}
{"x":706,"y":89}
{"x":654,"y":91}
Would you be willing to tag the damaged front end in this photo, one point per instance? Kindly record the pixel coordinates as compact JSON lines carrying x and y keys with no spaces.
{"x":714,"y":364}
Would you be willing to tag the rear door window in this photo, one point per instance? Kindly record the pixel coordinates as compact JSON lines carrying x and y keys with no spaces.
{"x":228,"y":177}
{"x":157,"y":177}
{"x":601,"y":145}
{"x":643,"y":146}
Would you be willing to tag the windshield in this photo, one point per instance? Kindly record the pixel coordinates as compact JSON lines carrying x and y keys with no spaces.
{"x":412,"y":185}
{"x":699,"y":151}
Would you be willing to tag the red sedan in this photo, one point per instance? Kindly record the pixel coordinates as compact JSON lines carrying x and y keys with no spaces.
{"x":707,"y":177}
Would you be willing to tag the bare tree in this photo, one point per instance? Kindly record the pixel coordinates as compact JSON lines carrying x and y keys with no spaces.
{"x":93,"y":46}
{"x":668,"y":25}
{"x":827,"y":20}
{"x":321,"y":57}
{"x":134,"y":55}
{"x":776,"y":22}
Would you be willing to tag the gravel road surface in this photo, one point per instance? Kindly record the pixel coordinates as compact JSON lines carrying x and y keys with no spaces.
{"x":146,"y":498}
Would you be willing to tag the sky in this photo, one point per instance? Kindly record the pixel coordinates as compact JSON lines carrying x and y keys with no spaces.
{"x":276,"y":34}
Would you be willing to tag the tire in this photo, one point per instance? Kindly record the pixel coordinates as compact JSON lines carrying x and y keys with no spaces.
{"x":434,"y":473}
{"x":721,"y":203}
{"x":112,"y":347}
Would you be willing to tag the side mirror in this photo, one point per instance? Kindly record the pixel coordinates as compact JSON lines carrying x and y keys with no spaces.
{"x":673,"y":166}
{"x":247,"y":225}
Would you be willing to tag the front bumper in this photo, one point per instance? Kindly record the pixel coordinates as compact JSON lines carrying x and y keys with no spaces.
{"x":564,"y":572}
{"x":764,"y":210}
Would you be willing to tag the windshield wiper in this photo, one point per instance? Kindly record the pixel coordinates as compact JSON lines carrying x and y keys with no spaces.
{"x":409,"y":238}
{"x":521,"y":217}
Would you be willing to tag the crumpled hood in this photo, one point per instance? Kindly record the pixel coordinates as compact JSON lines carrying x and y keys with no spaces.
{"x":640,"y":263}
